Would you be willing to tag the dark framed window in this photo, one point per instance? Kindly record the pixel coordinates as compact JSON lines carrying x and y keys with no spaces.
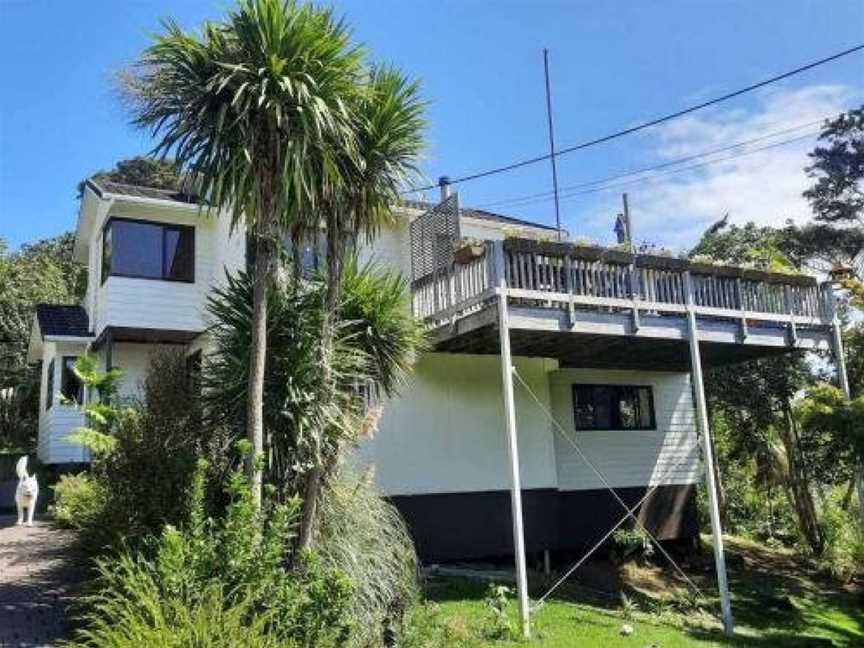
{"x":148,"y":250}
{"x":613,"y":407}
{"x":70,"y":387}
{"x":49,"y":386}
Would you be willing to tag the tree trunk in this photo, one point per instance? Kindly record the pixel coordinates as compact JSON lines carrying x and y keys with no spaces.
{"x":315,"y":479}
{"x":257,"y":364}
{"x":799,"y":484}
{"x":859,"y":486}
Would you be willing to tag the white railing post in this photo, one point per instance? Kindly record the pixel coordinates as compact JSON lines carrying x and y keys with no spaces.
{"x":513,"y":454}
{"x":708,"y":458}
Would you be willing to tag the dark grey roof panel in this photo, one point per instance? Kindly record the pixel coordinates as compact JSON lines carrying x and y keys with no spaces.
{"x":63,"y":320}
{"x":105,"y":186}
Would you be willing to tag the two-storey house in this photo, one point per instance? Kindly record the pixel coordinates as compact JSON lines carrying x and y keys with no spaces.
{"x":607,"y":346}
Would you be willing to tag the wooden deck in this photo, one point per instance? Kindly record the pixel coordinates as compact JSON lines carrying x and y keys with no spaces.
{"x":597,"y":307}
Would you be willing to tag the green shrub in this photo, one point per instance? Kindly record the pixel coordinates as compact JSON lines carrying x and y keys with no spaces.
{"x":427,"y":626}
{"x":499,"y":624}
{"x":144,"y":453}
{"x":238,"y":563}
{"x":143,"y":617}
{"x":629,"y":544}
{"x":843,"y":557}
{"x":79,"y":501}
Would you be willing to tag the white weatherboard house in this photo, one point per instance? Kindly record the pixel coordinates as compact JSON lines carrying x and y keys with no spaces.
{"x":607,"y":346}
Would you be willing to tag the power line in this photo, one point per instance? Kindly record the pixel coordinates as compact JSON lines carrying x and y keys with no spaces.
{"x":648,"y":124}
{"x":608,"y":187}
{"x":529,"y":198}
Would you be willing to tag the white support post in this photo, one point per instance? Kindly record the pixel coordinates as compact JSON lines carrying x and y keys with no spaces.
{"x":843,"y":378}
{"x":708,"y":458}
{"x":513,"y":452}
{"x":840,"y":357}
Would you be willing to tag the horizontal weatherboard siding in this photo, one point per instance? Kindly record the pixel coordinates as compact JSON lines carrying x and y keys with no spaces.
{"x":667,"y":455}
{"x":445,"y":430}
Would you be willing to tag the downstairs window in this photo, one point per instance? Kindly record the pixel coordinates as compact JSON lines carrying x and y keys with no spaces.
{"x":613,"y":407}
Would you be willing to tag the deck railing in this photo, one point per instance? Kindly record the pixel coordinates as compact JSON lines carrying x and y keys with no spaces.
{"x":564,"y":275}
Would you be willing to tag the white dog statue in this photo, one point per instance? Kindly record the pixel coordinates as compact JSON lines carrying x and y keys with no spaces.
{"x":26,"y":493}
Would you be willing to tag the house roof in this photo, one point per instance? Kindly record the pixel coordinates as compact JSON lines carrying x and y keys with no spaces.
{"x":481,"y":214}
{"x":101,"y":187}
{"x":63,"y":320}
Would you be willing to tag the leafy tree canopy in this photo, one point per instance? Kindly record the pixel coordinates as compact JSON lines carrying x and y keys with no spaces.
{"x":750,"y":245}
{"x":143,"y":172}
{"x":39,"y":272}
{"x":838,"y":168}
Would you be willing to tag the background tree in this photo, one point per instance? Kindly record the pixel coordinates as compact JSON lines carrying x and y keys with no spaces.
{"x":756,"y":397}
{"x":256,"y":109}
{"x":143,"y":172}
{"x":837,"y":197}
{"x":38,"y":272}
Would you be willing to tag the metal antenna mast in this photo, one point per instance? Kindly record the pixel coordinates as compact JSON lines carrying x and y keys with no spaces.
{"x":552,"y":142}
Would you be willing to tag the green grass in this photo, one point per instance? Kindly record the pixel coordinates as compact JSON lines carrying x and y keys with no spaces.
{"x":777,"y":601}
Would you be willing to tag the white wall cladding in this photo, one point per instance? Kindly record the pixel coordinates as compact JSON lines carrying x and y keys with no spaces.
{"x":628,"y":457}
{"x":58,"y":422}
{"x":133,"y":359}
{"x":147,"y":303}
{"x":445,"y":432}
{"x":390,"y":249}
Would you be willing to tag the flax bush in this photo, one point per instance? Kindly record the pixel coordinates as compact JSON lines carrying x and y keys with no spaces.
{"x":364,"y":537}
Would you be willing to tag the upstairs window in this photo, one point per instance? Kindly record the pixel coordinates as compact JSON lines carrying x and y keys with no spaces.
{"x":70,"y":386}
{"x":613,"y":407}
{"x":147,"y":250}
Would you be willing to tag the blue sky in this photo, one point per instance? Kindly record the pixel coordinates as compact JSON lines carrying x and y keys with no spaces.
{"x":613,"y":64}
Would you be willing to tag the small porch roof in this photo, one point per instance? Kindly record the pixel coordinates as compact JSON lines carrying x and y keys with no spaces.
{"x":58,"y":323}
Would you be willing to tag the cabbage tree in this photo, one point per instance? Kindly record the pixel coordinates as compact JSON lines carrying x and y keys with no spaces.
{"x":258,"y":109}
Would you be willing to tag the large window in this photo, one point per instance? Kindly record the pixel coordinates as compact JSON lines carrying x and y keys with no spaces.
{"x":70,"y":387}
{"x":613,"y":407}
{"x":147,"y":250}
{"x":49,"y":386}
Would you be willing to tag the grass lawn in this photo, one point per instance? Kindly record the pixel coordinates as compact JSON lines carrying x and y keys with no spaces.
{"x":777,"y":601}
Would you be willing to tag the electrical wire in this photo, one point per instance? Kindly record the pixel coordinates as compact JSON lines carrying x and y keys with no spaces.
{"x":618,"y":185}
{"x":656,"y":167}
{"x":648,"y":124}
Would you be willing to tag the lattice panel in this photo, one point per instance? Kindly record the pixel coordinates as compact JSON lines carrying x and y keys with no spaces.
{"x":434,"y":237}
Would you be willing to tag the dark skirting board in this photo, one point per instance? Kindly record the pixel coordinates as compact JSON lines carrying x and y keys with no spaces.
{"x":465,"y":526}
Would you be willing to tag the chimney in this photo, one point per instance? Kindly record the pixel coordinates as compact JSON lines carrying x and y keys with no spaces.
{"x":444,"y":183}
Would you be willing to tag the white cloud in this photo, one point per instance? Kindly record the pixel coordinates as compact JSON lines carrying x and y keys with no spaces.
{"x":763,"y":186}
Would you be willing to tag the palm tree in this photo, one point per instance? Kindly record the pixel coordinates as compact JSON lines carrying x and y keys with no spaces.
{"x":258,"y":110}
{"x":389,"y":140}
